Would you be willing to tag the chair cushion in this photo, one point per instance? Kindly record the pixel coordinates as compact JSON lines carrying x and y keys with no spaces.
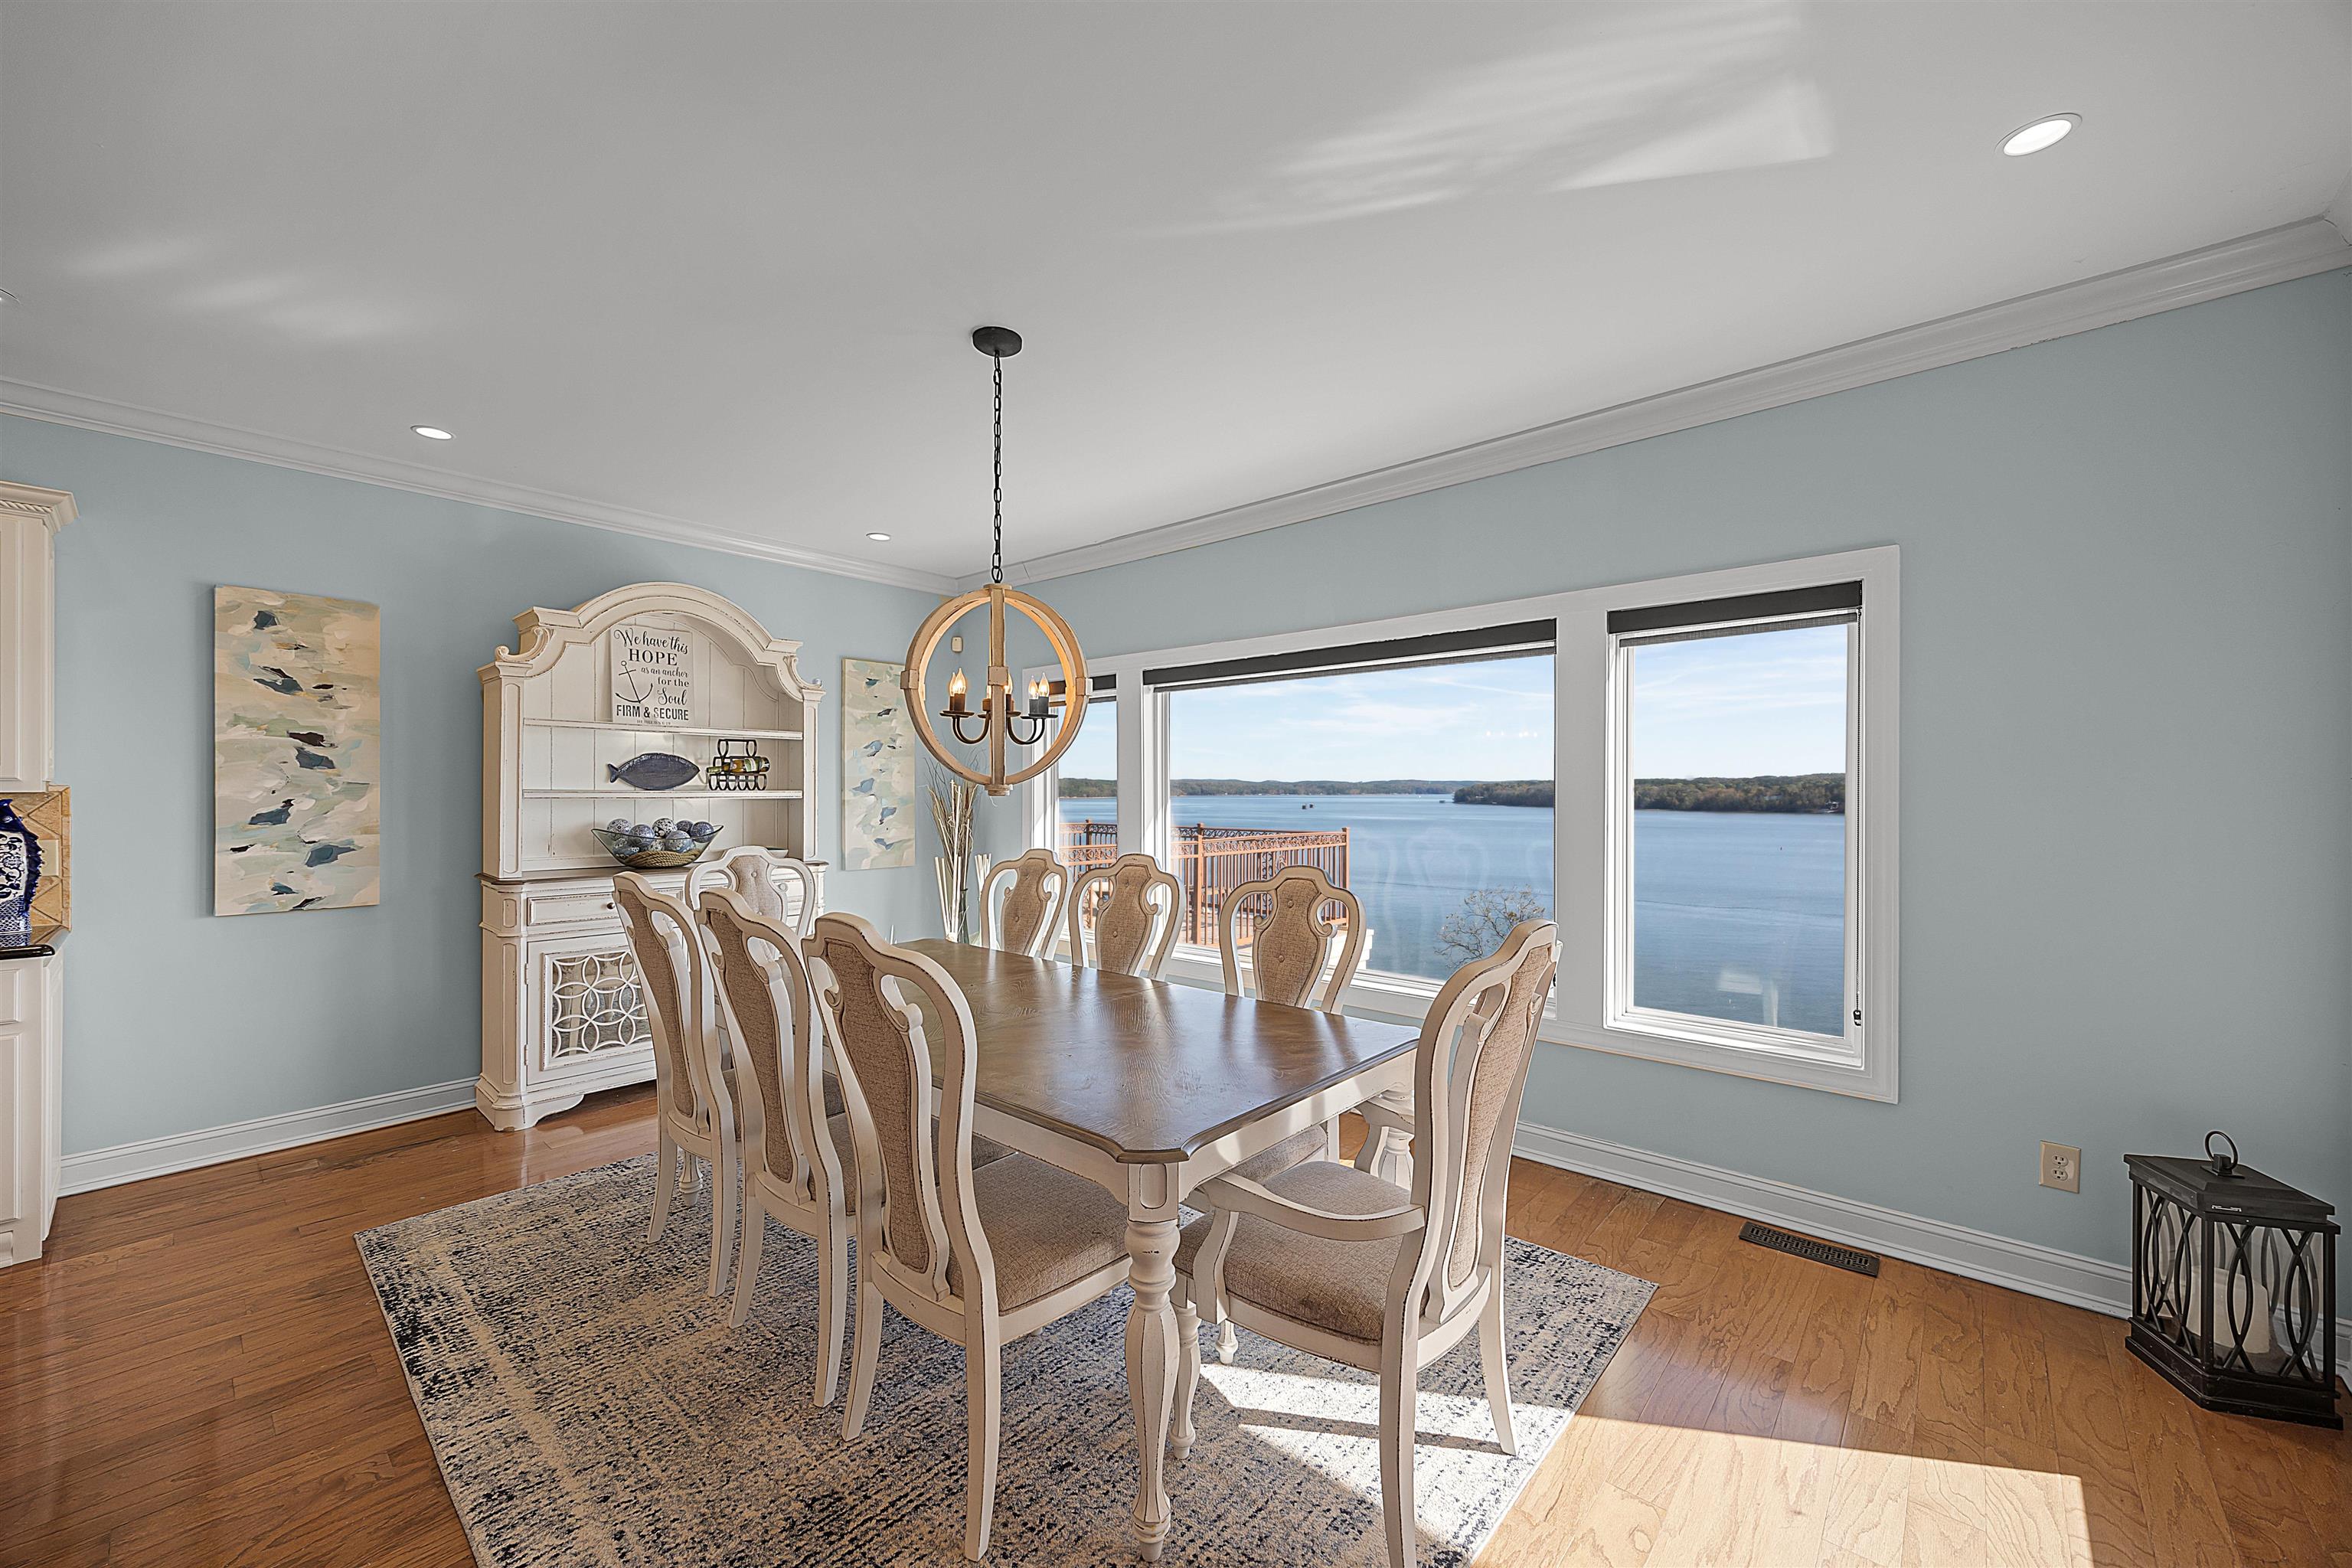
{"x":1045,"y":1227}
{"x":1295,"y":1149}
{"x":1340,"y":1286}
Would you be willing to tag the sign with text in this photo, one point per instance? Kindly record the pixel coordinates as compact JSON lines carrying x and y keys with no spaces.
{"x":653,"y":676}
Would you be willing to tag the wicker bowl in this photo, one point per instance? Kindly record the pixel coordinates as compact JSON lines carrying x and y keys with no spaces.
{"x":616,"y":847}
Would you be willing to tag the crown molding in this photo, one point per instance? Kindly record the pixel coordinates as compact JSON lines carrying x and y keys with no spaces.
{"x":2273,"y":256}
{"x":2253,"y":261}
{"x":2339,"y":211}
{"x":61,"y":407}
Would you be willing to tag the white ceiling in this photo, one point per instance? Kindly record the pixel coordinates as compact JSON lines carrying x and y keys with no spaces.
{"x":718,"y":263}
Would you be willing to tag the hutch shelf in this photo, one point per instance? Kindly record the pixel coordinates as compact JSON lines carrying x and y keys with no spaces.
{"x":659,"y":667}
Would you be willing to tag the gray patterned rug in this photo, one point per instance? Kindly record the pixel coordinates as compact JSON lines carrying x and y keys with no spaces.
{"x":589,"y":1404}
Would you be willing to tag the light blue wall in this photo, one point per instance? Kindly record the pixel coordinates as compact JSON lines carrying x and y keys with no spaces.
{"x":2127,"y":735}
{"x":178,"y":1020}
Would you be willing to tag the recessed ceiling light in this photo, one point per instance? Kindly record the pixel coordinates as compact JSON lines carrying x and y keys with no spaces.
{"x":431,"y":432}
{"x":2033,"y":138}
{"x":879,"y":538}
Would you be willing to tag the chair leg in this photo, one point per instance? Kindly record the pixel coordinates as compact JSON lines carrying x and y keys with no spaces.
{"x":747,"y":1268}
{"x":1181,"y":1435}
{"x":664,"y":1184}
{"x":1221,"y":1236}
{"x":983,"y":1377}
{"x":833,"y":1305}
{"x":864,"y":1352}
{"x":723,"y":1217}
{"x":1492,"y":1359}
{"x":1400,"y":1399}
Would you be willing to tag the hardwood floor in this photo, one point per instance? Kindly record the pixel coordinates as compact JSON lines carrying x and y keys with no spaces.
{"x":197,"y":1374}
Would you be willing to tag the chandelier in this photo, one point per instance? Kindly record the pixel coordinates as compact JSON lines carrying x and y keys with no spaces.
{"x":1048,"y":708}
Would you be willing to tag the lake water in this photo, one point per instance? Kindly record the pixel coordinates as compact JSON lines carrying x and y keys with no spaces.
{"x":1737,"y":915}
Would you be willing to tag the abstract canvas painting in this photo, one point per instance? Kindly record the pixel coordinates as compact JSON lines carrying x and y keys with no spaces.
{"x":877,"y":768}
{"x":297,"y":769}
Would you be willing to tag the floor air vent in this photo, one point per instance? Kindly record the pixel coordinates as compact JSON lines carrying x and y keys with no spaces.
{"x":1806,"y":1246}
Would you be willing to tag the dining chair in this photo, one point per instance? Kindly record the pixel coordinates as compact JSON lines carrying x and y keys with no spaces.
{"x":1138,"y":919}
{"x":696,"y":1110}
{"x":977,"y":1256}
{"x":1027,"y":917}
{"x":1328,"y":1259}
{"x":792,"y":1151}
{"x":752,"y":870}
{"x":1300,"y":958}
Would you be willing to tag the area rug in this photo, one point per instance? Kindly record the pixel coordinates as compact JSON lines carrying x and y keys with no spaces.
{"x":589,"y":1404}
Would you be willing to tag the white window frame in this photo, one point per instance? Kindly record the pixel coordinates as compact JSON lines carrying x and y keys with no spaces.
{"x":1587,"y":833}
{"x":1621,"y":1010}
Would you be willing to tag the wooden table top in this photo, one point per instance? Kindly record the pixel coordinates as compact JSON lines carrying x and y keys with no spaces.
{"x":1147,"y":1071}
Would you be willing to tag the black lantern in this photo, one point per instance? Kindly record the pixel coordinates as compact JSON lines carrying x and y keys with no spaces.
{"x":2234,"y":1286}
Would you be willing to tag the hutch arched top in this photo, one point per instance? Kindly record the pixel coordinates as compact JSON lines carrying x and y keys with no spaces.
{"x":654,"y":668}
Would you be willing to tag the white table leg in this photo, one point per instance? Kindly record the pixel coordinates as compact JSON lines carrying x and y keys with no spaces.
{"x":1152,"y":1346}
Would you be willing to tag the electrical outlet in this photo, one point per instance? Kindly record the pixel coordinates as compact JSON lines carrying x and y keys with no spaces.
{"x":2061,"y":1167}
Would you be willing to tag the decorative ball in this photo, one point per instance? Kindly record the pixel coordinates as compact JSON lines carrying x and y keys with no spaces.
{"x":663,"y":825}
{"x":704,"y":829}
{"x":618,"y":825}
{"x":639,"y":830}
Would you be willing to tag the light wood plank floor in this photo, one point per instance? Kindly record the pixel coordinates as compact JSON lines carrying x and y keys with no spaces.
{"x":197,"y":1374}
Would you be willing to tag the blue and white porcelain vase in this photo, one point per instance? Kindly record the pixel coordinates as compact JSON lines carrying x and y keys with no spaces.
{"x":20,"y":873}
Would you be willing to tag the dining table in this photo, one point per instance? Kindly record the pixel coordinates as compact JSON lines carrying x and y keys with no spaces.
{"x":1149,"y":1088}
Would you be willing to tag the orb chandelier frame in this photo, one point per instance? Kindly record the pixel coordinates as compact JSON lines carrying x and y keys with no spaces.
{"x":1054,"y":708}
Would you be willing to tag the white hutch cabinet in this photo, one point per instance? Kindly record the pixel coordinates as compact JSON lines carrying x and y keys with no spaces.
{"x":562,"y":1015}
{"x":32,"y":975}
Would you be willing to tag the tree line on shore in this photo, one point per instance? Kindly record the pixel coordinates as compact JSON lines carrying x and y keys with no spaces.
{"x":1799,"y":793}
{"x":1817,"y":794}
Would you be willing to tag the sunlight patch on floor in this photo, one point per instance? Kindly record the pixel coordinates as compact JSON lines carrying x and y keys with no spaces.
{"x":1660,"y":1495}
{"x":1330,"y":1424}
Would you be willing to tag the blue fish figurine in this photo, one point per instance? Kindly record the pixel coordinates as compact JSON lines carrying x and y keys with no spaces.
{"x":653,"y":770}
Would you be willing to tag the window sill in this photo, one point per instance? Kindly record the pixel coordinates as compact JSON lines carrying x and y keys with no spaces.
{"x":1837,"y":1072}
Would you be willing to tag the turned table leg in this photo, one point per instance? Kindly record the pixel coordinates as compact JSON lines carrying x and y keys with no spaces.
{"x":1151,"y":1345}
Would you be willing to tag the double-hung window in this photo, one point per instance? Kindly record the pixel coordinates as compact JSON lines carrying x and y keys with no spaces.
{"x":1732,"y":910}
{"x":1731,"y":821}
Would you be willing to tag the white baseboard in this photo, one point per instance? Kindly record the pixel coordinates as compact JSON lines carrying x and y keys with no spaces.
{"x":265,"y":1135}
{"x":2092,"y":1283}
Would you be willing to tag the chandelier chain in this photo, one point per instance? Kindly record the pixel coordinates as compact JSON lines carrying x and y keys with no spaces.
{"x":996,"y":557}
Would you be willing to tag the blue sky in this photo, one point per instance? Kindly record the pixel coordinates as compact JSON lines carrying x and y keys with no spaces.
{"x":1772,"y":702}
{"x":1768,"y":702}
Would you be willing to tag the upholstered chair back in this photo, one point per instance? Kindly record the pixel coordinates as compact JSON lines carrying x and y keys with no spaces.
{"x":1469,"y":1072}
{"x":1297,"y":956}
{"x":669,"y":958}
{"x":751,"y":870}
{"x":763,"y":990}
{"x":881,"y":1006}
{"x":1136,"y":920}
{"x":1021,"y":903}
